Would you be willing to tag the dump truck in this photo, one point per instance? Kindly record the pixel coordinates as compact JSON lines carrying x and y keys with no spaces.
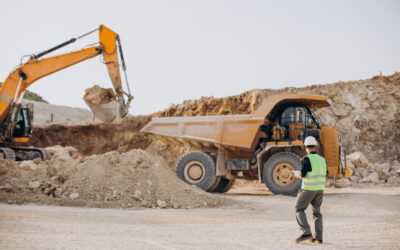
{"x":265,"y":146}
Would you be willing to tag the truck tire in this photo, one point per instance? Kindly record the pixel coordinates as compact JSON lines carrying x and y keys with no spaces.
{"x":197,"y":168}
{"x":224,"y":185}
{"x":277,"y":175}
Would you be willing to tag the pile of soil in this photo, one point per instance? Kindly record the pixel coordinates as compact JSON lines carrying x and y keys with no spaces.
{"x":365,"y":112}
{"x":128,"y":180}
{"x":98,"y":95}
{"x":94,"y":138}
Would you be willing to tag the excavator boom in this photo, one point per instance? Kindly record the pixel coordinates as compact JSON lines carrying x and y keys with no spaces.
{"x":13,"y":88}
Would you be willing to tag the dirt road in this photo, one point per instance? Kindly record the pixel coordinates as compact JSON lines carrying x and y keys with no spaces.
{"x":353,"y":219}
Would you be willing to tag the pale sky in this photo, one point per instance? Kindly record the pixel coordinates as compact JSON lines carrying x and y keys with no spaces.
{"x":180,"y":49}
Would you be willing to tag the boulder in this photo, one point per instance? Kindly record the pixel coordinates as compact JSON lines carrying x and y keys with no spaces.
{"x":355,"y":178}
{"x":74,"y":196}
{"x":371,"y":178}
{"x":362,"y":172}
{"x":395,"y":166}
{"x":137,"y":195}
{"x":342,"y":183}
{"x":358,"y":159}
{"x":382,"y":169}
{"x":161,"y":204}
{"x":350,"y":165}
{"x":34,"y":184}
{"x":393,"y":181}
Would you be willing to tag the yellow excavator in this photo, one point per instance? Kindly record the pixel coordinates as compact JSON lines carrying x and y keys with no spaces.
{"x":16,"y":118}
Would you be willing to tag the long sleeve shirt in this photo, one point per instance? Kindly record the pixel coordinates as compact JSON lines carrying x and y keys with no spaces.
{"x":306,"y":166}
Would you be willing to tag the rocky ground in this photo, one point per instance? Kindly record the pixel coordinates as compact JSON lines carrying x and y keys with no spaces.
{"x":128,"y":180}
{"x":354,"y":218}
{"x":114,"y":165}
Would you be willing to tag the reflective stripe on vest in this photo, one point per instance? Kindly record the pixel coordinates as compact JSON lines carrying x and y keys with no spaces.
{"x":315,"y":180}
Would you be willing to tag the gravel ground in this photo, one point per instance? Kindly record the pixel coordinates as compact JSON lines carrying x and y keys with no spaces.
{"x":353,"y":219}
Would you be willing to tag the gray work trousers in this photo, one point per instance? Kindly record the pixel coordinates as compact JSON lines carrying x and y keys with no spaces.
{"x":304,"y":198}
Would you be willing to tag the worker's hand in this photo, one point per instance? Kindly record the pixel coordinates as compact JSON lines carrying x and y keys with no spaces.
{"x":297,"y":176}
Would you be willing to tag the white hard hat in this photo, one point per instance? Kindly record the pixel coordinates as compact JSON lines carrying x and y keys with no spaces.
{"x":310,"y":141}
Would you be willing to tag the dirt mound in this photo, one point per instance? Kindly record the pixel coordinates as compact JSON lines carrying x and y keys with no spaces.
{"x":366,"y":113}
{"x":132,"y":179}
{"x":94,"y":138}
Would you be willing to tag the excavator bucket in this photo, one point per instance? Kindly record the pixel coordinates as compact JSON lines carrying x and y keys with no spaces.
{"x":104,"y":104}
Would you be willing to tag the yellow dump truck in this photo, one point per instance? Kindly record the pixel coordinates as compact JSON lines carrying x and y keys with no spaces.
{"x":265,"y":145}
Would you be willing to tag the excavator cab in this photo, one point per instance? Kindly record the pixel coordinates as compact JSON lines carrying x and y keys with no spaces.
{"x":23,"y":126}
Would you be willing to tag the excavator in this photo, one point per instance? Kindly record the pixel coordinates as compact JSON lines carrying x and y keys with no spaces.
{"x":16,"y":118}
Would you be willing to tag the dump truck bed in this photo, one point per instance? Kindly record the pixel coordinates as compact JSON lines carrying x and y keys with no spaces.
{"x":209,"y":131}
{"x":241,"y":131}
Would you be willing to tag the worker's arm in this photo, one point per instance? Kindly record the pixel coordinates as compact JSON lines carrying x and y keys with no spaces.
{"x":306,"y":167}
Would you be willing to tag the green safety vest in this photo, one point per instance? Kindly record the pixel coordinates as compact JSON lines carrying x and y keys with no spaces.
{"x":315,"y":180}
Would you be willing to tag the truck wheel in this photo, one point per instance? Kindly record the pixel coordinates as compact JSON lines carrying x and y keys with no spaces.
{"x":224,"y":185}
{"x":197,"y":168}
{"x":278,"y":176}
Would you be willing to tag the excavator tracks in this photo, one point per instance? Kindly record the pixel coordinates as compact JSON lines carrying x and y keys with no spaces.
{"x":24,"y":154}
{"x":8,"y":153}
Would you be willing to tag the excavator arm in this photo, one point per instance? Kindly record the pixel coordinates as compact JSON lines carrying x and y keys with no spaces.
{"x":13,"y":88}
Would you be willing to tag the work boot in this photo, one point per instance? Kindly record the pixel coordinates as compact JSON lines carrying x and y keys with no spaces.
{"x":314,"y":240}
{"x":303,"y":237}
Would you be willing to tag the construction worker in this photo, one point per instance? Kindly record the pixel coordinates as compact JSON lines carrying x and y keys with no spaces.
{"x":313,"y":173}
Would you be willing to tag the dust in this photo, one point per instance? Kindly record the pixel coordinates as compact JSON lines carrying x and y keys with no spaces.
{"x":129,"y":180}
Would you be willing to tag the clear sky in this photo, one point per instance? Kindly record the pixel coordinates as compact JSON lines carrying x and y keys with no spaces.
{"x":180,"y":49}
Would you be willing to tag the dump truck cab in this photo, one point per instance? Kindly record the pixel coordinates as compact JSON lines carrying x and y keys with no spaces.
{"x":264,"y":146}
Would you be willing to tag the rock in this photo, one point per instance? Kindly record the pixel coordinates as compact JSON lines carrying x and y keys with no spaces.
{"x":28,"y":165}
{"x":371,"y":178}
{"x":34,"y":184}
{"x":115,"y":194}
{"x":114,"y":160}
{"x":161,"y":204}
{"x":395,"y":166}
{"x":350,"y":165}
{"x":342,"y":183}
{"x":340,"y":109}
{"x":355,"y":178}
{"x":393,"y":181}
{"x":37,"y":160}
{"x":358,"y":159}
{"x":382,"y":169}
{"x":58,"y":192}
{"x":6,"y":187}
{"x":3,"y":170}
{"x":74,"y":196}
{"x":362,"y":172}
{"x":61,"y":177}
{"x":138,"y":195}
